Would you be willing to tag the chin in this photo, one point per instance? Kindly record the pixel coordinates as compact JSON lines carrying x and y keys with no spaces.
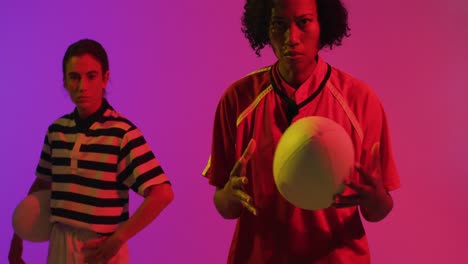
{"x":83,"y":105}
{"x":296,"y":62}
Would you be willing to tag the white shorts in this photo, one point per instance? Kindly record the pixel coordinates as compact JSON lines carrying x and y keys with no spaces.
{"x":66,"y":242}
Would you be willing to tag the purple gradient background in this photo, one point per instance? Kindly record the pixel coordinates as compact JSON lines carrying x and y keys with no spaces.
{"x":170,"y":63}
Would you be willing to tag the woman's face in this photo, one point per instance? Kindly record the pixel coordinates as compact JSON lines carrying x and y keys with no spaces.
{"x":85,"y":83}
{"x":294,"y":33}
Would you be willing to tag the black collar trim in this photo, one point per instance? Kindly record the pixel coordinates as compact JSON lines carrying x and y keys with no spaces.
{"x":292,"y":107}
{"x":85,"y":124}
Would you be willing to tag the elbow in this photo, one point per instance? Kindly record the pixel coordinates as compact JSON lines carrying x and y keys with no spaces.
{"x":39,"y":185}
{"x":379,"y":211}
{"x":161,"y":194}
{"x":373,"y":218}
{"x":168,"y":194}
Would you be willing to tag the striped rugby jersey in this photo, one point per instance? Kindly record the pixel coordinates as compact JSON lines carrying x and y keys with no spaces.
{"x":92,"y":164}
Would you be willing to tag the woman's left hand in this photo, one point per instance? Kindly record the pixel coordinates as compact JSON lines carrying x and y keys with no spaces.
{"x":101,"y":250}
{"x":370,"y":190}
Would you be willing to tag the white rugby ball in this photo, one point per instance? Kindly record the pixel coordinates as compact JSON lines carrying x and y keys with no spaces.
{"x":312,"y":159}
{"x":31,"y":218}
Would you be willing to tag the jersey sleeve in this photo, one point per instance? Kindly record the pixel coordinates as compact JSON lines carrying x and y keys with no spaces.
{"x":138,"y":168}
{"x":44,"y":167}
{"x":222,"y":156}
{"x":377,"y":131}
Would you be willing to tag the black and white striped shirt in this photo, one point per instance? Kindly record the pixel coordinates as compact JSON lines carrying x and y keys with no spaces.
{"x":92,"y":164}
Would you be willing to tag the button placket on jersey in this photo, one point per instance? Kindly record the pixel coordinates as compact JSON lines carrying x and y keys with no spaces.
{"x":75,"y":153}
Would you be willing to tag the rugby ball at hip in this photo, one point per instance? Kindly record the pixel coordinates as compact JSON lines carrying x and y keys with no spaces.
{"x":31,"y":218}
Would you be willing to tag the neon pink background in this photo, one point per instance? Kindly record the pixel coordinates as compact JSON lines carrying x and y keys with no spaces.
{"x":171,"y":60}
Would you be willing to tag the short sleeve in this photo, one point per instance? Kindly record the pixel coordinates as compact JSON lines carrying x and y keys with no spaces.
{"x":138,"y":168}
{"x":222,"y":156}
{"x":377,"y":131}
{"x":44,"y":167}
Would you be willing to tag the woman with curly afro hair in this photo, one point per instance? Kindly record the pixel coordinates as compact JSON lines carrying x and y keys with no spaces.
{"x":332,"y":18}
{"x":255,"y":111}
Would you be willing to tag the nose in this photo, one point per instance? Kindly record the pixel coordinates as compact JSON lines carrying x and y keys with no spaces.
{"x":83,"y":84}
{"x":292,"y":35}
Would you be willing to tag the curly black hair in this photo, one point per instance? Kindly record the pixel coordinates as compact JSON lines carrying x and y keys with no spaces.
{"x":332,"y":16}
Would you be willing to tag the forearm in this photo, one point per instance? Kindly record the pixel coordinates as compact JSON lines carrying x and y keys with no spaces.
{"x":378,"y":209}
{"x":158,"y":198}
{"x":228,"y":209}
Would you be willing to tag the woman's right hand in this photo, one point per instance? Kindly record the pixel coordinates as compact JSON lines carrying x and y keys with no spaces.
{"x":234,"y":188}
{"x":16,"y":250}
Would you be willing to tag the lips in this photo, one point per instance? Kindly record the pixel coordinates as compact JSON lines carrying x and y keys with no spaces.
{"x":82,"y":98}
{"x":291,"y":54}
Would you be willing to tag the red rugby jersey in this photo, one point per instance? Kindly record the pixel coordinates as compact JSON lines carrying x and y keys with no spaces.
{"x":281,"y":232}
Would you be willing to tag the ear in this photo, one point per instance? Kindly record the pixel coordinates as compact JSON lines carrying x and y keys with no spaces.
{"x":105,"y":78}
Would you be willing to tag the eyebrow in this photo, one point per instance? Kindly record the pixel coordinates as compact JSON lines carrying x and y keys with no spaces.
{"x":74,"y":74}
{"x":90,"y":72}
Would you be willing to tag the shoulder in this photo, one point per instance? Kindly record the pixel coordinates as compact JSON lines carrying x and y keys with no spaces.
{"x":349,"y":83}
{"x":254,"y":81}
{"x":114,"y":119}
{"x":245,"y":90}
{"x":363,"y":101}
{"x":63,"y":123}
{"x":113,"y":123}
{"x":357,"y":92}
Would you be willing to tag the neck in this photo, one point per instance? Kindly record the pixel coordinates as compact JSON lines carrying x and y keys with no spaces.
{"x":87,"y":112}
{"x":295,"y":75}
